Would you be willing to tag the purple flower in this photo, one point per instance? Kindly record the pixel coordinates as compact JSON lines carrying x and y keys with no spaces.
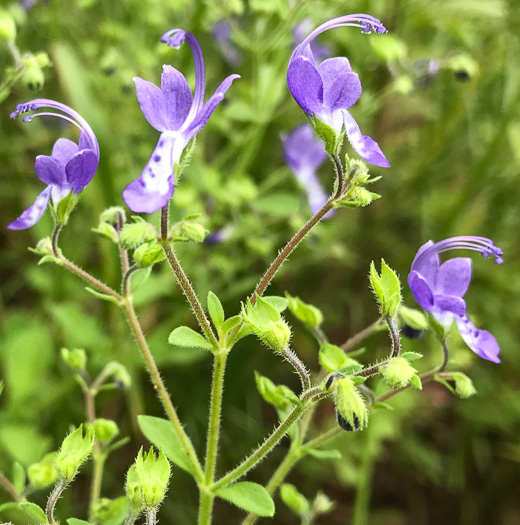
{"x":222,"y":34}
{"x":301,"y":29}
{"x":304,"y":154}
{"x":173,"y":111}
{"x":70,"y":167}
{"x":439,"y":288}
{"x":325,"y":92}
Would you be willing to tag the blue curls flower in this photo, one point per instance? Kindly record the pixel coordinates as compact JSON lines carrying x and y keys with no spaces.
{"x":440,"y":288}
{"x":68,"y":169}
{"x":327,"y":91}
{"x":179,"y":116}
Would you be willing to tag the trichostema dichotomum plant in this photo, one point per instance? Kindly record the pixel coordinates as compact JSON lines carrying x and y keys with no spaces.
{"x":325,"y":89}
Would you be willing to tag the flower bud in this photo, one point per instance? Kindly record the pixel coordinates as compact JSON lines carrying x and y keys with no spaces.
{"x":43,"y":474}
{"x":153,"y":473}
{"x":7,"y":26}
{"x":104,"y":429}
{"x":148,"y":254}
{"x":44,"y":247}
{"x":119,"y":373}
{"x":387,"y":288}
{"x":74,"y":450}
{"x":398,"y":372}
{"x":358,"y":171}
{"x":136,"y":234}
{"x":32,"y":76}
{"x":322,"y":504}
{"x":76,"y":358}
{"x":267,"y":324}
{"x":134,"y":494}
{"x":352,"y":412}
{"x":192,"y":231}
{"x":113,"y":215}
{"x":459,"y":383}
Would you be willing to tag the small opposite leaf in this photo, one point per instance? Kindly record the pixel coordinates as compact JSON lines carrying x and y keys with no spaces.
{"x":411,"y":356}
{"x":18,"y":476}
{"x":324,"y":454}
{"x":103,"y":296}
{"x":188,"y":338}
{"x":161,"y":433}
{"x":382,"y":406}
{"x":280,"y":303}
{"x":249,"y":496}
{"x":34,"y":511}
{"x":216,"y":311}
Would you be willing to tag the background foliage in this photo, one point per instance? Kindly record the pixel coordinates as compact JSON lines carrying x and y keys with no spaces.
{"x":454,"y":144}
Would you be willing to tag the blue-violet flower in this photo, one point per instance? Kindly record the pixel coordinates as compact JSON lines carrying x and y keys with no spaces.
{"x":221,"y":32}
{"x":70,"y":167}
{"x":300,"y":30}
{"x":173,"y":111}
{"x":439,"y":288}
{"x":304,"y":154}
{"x":325,"y":92}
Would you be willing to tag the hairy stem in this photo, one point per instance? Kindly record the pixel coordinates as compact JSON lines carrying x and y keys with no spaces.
{"x":151,"y":516}
{"x":53,"y":498}
{"x":217,"y":388}
{"x":9,"y":487}
{"x":130,"y":518}
{"x":351,"y":343}
{"x":299,"y":367}
{"x":98,"y":458}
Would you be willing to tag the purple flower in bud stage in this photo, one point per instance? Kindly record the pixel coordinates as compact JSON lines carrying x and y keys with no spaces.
{"x":439,"y":288}
{"x":325,"y":92}
{"x":222,"y":34}
{"x":302,"y":29}
{"x":70,"y":167}
{"x":304,"y":154}
{"x":179,"y":116}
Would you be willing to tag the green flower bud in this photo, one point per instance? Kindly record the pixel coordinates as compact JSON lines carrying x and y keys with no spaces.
{"x":104,"y":429}
{"x":460,"y":384}
{"x":148,"y":254}
{"x":387,"y":288}
{"x":398,"y":372}
{"x":153,"y":473}
{"x":112,"y":215}
{"x":43,"y":474}
{"x":193,"y":231}
{"x":351,"y":409}
{"x":413,"y":318}
{"x":74,"y":450}
{"x":76,"y":358}
{"x":7,"y":26}
{"x":107,"y":230}
{"x":42,"y":59}
{"x":134,"y":494}
{"x":136,"y":234}
{"x":33,"y":76}
{"x":306,"y":313}
{"x":119,"y":373}
{"x":358,"y":171}
{"x":267,"y":324}
{"x":44,"y":247}
{"x":358,"y":196}
{"x":322,"y":504}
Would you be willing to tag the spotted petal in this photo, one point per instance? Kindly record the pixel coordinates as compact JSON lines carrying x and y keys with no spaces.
{"x":481,"y":342}
{"x":34,"y":213}
{"x":367,"y":148}
{"x":305,"y":84}
{"x":154,"y":187}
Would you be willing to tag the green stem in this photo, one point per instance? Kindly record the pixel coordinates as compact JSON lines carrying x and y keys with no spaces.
{"x":9,"y":487}
{"x":98,"y":458}
{"x":302,"y":372}
{"x":354,"y":341}
{"x":217,"y":388}
{"x":130,"y":519}
{"x":161,"y":389}
{"x":364,"y":484}
{"x":292,"y":457}
{"x":53,"y":498}
{"x":205,"y":505}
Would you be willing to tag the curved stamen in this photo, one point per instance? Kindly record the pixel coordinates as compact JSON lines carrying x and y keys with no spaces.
{"x":484,"y":246}
{"x":366,"y":23}
{"x":174,"y":38}
{"x":73,"y":116}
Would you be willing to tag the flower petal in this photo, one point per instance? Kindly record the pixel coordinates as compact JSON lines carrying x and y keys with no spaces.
{"x":81,"y":168}
{"x":177,"y":95}
{"x":305,"y":84}
{"x":302,"y":149}
{"x":367,"y":148}
{"x":341,"y":87}
{"x":50,"y":170}
{"x":449,"y":303}
{"x":428,"y":266}
{"x":453,"y":277}
{"x":315,"y":193}
{"x":64,"y":149}
{"x":154,"y":187}
{"x":420,"y":290}
{"x":203,"y":116}
{"x":481,"y":342}
{"x":153,"y":104}
{"x":34,"y":213}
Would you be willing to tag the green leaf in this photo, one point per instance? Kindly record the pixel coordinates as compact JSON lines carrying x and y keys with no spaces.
{"x":34,"y":511}
{"x":324,"y":454}
{"x":14,"y":513}
{"x":161,"y":433}
{"x":413,"y":318}
{"x":297,"y":502}
{"x":333,"y":358}
{"x":230,"y":323}
{"x":65,"y":207}
{"x":306,"y":313}
{"x":216,"y":311}
{"x":188,"y":338}
{"x":18,"y":476}
{"x":280,"y":303}
{"x":76,"y":521}
{"x":411,"y":356}
{"x":415,"y":381}
{"x":382,"y":406}
{"x":249,"y":496}
{"x":103,"y":296}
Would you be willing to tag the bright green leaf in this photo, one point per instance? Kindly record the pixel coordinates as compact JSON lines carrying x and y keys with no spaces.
{"x":324,"y":454}
{"x":188,"y":338}
{"x":249,"y":496}
{"x":103,"y":296}
{"x":34,"y":511}
{"x":216,"y":311}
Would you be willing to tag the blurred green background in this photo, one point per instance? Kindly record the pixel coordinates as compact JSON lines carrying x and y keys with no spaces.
{"x":453,"y":139}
